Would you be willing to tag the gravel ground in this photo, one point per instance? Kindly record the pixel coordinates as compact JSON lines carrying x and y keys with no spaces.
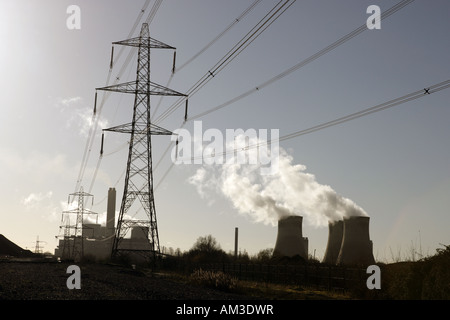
{"x":47,"y":281}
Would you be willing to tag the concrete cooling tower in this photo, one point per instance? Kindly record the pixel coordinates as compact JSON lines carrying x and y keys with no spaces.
{"x":335,"y":234}
{"x":356,"y":247}
{"x":290,"y":241}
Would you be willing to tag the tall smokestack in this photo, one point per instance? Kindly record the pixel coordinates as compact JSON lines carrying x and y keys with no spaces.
{"x":356,"y":248}
{"x":111,"y":212}
{"x":236,"y":242}
{"x":335,"y":234}
{"x":290,"y":241}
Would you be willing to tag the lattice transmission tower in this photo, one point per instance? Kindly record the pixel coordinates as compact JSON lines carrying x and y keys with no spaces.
{"x":38,"y":248}
{"x":73,"y":244}
{"x":139,"y":176}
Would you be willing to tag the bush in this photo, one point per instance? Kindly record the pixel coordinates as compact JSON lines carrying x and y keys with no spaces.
{"x":428,"y":278}
{"x":216,"y":280}
{"x":206,"y":250}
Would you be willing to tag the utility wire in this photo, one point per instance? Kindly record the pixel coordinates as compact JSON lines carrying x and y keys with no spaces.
{"x":317,"y":55}
{"x":220,"y":35}
{"x":153,"y":11}
{"x":262,"y":25}
{"x":380,"y":107}
{"x":304,"y":62}
{"x":288,"y":71}
{"x":206,"y":47}
{"x":96,"y":116}
{"x":256,"y":31}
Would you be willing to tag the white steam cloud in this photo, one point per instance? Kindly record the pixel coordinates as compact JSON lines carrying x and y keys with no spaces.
{"x":267,"y":198}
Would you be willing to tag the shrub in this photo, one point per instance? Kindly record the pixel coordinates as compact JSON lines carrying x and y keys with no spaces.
{"x":216,"y":280}
{"x":428,"y":278}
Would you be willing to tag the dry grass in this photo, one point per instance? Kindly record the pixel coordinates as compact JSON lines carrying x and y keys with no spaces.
{"x":47,"y":281}
{"x":253,"y":289}
{"x":288,"y":292}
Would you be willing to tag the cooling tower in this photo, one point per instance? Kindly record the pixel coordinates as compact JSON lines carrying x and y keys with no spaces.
{"x":335,"y":233}
{"x":290,"y":241}
{"x":356,"y":248}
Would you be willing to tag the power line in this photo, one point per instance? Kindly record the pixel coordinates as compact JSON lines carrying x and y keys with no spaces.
{"x":380,"y":107}
{"x":206,"y":47}
{"x":96,"y":115}
{"x":297,"y":66}
{"x":304,"y":62}
{"x":220,"y":35}
{"x":153,"y":11}
{"x":262,"y":25}
{"x":221,"y":64}
{"x":255,"y":32}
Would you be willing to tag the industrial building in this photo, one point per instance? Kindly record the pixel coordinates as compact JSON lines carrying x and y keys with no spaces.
{"x":97,"y":239}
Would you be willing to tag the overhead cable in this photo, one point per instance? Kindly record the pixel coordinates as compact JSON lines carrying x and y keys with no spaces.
{"x":304,"y":62}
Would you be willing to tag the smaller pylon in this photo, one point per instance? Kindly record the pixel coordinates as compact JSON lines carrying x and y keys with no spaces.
{"x":73,"y":246}
{"x":38,"y":248}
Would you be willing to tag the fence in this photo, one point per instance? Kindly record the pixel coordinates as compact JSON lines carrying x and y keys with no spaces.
{"x":316,"y":275}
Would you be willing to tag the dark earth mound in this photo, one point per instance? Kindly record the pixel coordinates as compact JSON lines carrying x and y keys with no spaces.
{"x":9,"y":248}
{"x":47,"y":281}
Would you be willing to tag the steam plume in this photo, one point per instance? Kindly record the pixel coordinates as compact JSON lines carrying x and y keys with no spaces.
{"x":267,"y":198}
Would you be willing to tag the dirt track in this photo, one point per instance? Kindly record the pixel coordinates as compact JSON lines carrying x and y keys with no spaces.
{"x":47,"y":281}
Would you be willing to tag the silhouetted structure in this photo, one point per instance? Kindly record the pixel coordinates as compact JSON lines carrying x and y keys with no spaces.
{"x":335,"y":233}
{"x":139,"y":175}
{"x":290,"y":241}
{"x":73,"y":244}
{"x":356,"y":248}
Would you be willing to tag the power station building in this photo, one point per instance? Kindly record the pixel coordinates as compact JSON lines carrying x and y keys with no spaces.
{"x":97,"y":239}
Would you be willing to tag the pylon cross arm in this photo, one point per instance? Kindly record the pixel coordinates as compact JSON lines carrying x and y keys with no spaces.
{"x":132,"y":87}
{"x":147,"y":42}
{"x":140,"y":129}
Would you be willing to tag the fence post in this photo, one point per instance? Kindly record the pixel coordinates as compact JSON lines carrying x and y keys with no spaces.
{"x":317,"y":277}
{"x":329,"y":278}
{"x":306,"y":275}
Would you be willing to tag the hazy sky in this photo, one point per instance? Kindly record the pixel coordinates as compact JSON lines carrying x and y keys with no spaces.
{"x":394,"y":164}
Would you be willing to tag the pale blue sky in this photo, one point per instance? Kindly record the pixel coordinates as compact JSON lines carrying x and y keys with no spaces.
{"x":394,"y":163}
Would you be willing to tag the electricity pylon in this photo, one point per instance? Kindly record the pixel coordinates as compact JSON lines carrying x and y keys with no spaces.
{"x":38,"y":247}
{"x":139,"y":175}
{"x":73,"y":245}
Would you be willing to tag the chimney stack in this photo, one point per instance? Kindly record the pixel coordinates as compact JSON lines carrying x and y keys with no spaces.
{"x":236,"y":242}
{"x":111,"y":212}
